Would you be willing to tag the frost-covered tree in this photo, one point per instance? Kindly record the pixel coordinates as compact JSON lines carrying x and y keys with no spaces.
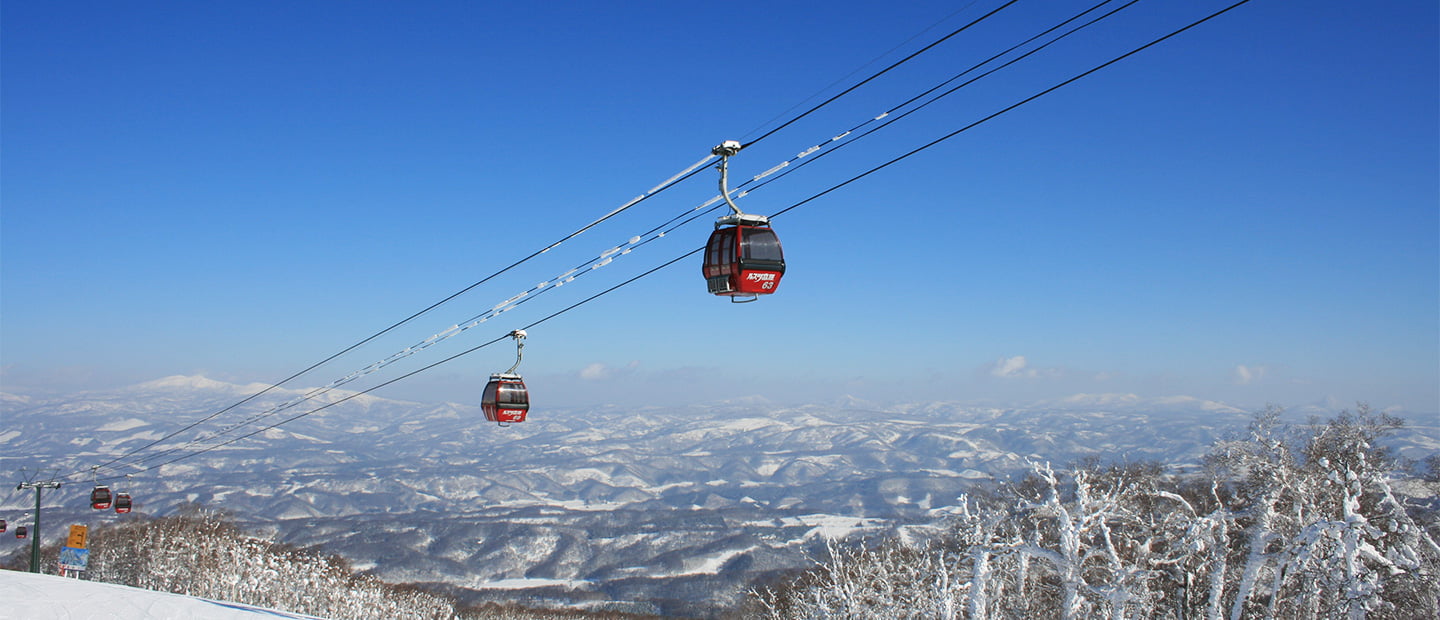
{"x":1093,"y":543}
{"x":892,"y":580}
{"x":1326,"y":535}
{"x":201,"y":553}
{"x":1286,"y":523}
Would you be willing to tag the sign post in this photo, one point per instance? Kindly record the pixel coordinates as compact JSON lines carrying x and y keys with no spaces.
{"x":74,"y":556}
{"x":78,"y":536}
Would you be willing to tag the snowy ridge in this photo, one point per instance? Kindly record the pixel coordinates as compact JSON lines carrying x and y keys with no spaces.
{"x":686,"y":504}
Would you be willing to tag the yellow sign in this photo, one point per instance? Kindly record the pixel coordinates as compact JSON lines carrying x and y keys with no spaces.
{"x":78,"y":534}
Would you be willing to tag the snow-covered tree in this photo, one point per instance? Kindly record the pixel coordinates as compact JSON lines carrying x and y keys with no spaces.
{"x":201,"y":553}
{"x":1326,"y":534}
{"x":1285,"y":523}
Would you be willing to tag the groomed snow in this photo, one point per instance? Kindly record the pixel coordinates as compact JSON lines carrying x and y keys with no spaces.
{"x":523,"y":584}
{"x":710,"y":564}
{"x":46,"y":597}
{"x":122,"y":425}
{"x":833,"y":527}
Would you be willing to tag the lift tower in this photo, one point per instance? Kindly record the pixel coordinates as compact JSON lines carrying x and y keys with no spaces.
{"x":35,"y":536}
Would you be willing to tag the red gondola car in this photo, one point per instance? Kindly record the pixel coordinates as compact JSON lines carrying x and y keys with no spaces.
{"x":2,"y":525}
{"x":505,"y":400}
{"x":21,"y":531}
{"x":100,"y":497}
{"x":122,"y":503}
{"x":743,"y":257}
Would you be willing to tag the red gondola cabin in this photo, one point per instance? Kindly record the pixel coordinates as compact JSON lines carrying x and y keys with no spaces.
{"x":21,"y":532}
{"x":505,"y":399}
{"x":2,"y":525}
{"x":100,"y":497}
{"x":743,"y":257}
{"x":122,"y":503}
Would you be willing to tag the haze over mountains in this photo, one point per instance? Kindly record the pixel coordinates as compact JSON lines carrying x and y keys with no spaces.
{"x":676,"y":509}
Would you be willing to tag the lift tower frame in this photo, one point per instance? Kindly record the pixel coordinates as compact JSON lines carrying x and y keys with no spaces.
{"x":35,"y":536}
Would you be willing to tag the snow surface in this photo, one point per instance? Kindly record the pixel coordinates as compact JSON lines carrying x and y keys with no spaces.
{"x":43,"y":597}
{"x":522,"y":584}
{"x":183,"y":382}
{"x":123,"y":425}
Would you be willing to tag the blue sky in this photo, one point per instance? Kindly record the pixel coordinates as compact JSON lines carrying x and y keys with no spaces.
{"x":1246,"y":212}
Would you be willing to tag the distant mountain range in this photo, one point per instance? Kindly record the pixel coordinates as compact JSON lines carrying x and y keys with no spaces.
{"x":671,"y":510}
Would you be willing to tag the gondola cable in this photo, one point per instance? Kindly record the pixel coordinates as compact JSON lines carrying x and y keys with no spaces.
{"x":881,"y":72}
{"x":784,"y":167}
{"x":850,"y":137}
{"x":454,"y":330}
{"x":1016,"y":105}
{"x":430,"y":366}
{"x":862,"y":67}
{"x":602,"y":260}
{"x":670,"y":182}
{"x":787,"y":209}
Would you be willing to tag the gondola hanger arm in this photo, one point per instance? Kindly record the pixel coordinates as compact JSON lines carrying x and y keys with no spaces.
{"x":725,"y":150}
{"x":519,"y":336}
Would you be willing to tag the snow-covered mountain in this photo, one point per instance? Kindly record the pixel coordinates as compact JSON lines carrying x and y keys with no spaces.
{"x":676,"y":507}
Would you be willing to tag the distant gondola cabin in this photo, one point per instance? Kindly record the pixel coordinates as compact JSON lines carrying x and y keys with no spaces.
{"x":21,"y":531}
{"x":122,"y":503}
{"x":505,"y":400}
{"x":100,"y":498}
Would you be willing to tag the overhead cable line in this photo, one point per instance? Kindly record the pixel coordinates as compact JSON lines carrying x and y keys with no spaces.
{"x":880,"y":73}
{"x":890,"y":120}
{"x":433,"y":365}
{"x":670,"y":182}
{"x":740,"y":191}
{"x":569,"y":276}
{"x":861,"y":67}
{"x":1014,"y":105}
{"x":622,"y":249}
{"x":604,"y":258}
{"x":831,"y":143}
{"x":782,"y":211}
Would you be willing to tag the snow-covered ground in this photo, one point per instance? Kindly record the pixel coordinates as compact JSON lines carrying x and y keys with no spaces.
{"x":28,"y":596}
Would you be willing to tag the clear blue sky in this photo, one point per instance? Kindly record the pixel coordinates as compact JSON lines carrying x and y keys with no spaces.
{"x":1246,"y":213}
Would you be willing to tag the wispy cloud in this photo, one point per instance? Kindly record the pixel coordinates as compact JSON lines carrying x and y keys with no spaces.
{"x":1012,"y":367}
{"x":599,"y":370}
{"x":1245,"y":375}
{"x":594,"y":372}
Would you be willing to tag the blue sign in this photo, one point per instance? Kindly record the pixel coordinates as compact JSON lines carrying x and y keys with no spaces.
{"x":74,"y":559}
